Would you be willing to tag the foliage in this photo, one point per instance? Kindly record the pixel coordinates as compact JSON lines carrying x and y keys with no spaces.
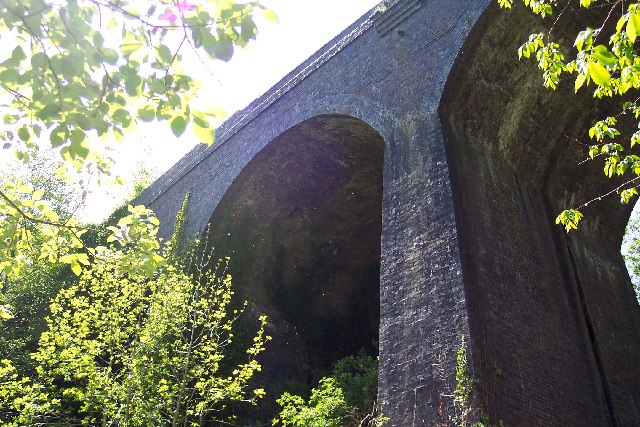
{"x":83,"y":71}
{"x":464,"y":395}
{"x":181,"y":244}
{"x":28,"y":297}
{"x":123,"y":349}
{"x":136,"y":341}
{"x":326,"y":407}
{"x":94,"y":66}
{"x":631,"y":252}
{"x":122,"y":346}
{"x":345,"y":399}
{"x":605,"y":58}
{"x":143,"y":178}
{"x":465,"y":384}
{"x":465,"y":391}
{"x":40,"y":172}
{"x":135,"y":234}
{"x":22,"y":206}
{"x":38,"y":273}
{"x":357,"y":376}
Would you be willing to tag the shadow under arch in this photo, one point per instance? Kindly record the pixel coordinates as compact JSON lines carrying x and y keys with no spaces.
{"x":302,"y":226}
{"x":555,"y":328}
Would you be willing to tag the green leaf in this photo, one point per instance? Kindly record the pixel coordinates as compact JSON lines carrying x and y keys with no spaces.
{"x":5,"y":313}
{"x":23,"y":134}
{"x":82,"y":259}
{"x":163,"y":54}
{"x":78,"y":148}
{"x":579,"y":81}
{"x":156,"y":85}
{"x":58,"y":136}
{"x":603,"y":55}
{"x":121,"y":116}
{"x":18,"y":54}
{"x":76,"y":268}
{"x":147,"y":114}
{"x":49,"y":111}
{"x":214,"y":111}
{"x":221,"y":49}
{"x":570,"y":219}
{"x":71,"y":65}
{"x":248,"y":29}
{"x":130,"y":45}
{"x":627,"y":195}
{"x":133,"y":85}
{"x":110,"y":56}
{"x":599,"y":74}
{"x":37,"y":195}
{"x":583,"y":37}
{"x":270,"y":15}
{"x":200,"y":121}
{"x":10,"y":75}
{"x":633,"y":26}
{"x":98,"y":39}
{"x":205,"y":134}
{"x":178,"y":125}
{"x":39,"y":60}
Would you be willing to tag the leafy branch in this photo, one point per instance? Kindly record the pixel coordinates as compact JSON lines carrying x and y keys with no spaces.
{"x":612,"y":68}
{"x":93,"y":69}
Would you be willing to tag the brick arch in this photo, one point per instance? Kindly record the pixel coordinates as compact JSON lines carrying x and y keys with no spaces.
{"x":302,"y":225}
{"x":227,"y":160}
{"x":543,"y":304}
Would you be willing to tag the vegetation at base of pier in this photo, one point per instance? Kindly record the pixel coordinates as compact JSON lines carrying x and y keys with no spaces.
{"x":346,"y":398}
{"x":466,"y":410}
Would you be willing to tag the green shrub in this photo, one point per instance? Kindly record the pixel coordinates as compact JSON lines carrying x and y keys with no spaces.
{"x":346,"y":399}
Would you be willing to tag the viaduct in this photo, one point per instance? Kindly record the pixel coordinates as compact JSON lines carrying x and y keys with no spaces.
{"x":397,"y":191}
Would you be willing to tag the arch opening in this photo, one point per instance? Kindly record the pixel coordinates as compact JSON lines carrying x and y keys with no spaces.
{"x":630,"y":249}
{"x":302,"y":225}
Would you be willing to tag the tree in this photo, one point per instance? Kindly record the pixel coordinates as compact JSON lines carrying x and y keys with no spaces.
{"x":26,"y":295}
{"x":607,"y":60}
{"x":83,"y":71}
{"x":122,"y":349}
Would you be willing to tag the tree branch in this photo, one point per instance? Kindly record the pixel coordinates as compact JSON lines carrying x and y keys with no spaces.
{"x":44,"y":49}
{"x":71,"y":228}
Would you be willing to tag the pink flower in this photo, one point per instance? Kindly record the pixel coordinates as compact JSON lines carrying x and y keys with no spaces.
{"x":183,"y":5}
{"x":168,"y":15}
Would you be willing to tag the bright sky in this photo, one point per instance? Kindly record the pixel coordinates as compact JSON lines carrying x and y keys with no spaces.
{"x":305,"y":26}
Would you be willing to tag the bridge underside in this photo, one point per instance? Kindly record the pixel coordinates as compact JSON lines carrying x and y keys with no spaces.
{"x":478,"y":159}
{"x":301,"y":224}
{"x":553,"y":319}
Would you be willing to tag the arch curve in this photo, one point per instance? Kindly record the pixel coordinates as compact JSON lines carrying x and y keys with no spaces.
{"x":515,"y":165}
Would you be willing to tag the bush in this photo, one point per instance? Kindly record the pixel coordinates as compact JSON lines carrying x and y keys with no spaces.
{"x":346,"y":399}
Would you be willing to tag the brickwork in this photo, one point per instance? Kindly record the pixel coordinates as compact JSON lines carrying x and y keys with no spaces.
{"x":537,"y":298}
{"x":470,"y":182}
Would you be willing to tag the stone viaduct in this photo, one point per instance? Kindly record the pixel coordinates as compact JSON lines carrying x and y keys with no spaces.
{"x":396,"y":192}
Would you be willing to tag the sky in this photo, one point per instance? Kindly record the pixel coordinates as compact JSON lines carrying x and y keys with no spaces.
{"x":304,"y":27}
